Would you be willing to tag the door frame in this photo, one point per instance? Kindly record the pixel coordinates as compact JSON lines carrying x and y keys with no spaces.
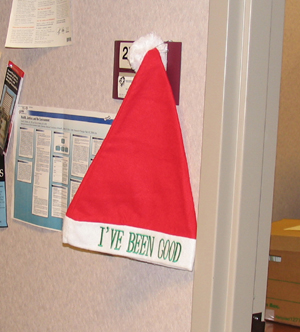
{"x":238,"y":163}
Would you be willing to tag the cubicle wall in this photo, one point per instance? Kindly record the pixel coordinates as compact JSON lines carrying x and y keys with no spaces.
{"x":287,"y":175}
{"x":45,"y":286}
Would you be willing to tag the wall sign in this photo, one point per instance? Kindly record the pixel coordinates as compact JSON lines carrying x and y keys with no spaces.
{"x":123,"y":74}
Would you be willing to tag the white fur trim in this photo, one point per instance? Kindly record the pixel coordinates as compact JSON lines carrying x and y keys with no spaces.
{"x":136,"y":243}
{"x":144,"y":44}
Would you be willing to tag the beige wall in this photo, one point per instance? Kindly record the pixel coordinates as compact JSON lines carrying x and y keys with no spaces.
{"x":45,"y":286}
{"x":287,"y":177}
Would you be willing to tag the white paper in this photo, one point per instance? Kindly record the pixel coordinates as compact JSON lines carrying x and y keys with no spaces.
{"x":39,"y":23}
{"x":40,"y":197}
{"x":96,"y":143}
{"x":26,"y":142}
{"x":74,"y":185}
{"x":59,"y":201}
{"x":60,"y":169}
{"x":124,"y":82}
{"x":24,"y":171}
{"x":80,"y":156}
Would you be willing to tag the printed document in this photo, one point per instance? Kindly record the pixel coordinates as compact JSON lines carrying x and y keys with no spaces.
{"x":39,"y":23}
{"x":53,"y":150}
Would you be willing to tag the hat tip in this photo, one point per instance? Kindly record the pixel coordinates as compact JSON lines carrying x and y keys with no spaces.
{"x":144,"y":44}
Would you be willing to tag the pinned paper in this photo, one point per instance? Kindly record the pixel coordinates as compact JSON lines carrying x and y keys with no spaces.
{"x":39,"y":24}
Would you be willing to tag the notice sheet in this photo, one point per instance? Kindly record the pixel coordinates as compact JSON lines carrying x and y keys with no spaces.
{"x":53,"y":150}
{"x":39,"y":23}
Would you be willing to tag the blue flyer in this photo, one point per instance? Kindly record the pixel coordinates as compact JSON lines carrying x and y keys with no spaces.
{"x":53,"y":149}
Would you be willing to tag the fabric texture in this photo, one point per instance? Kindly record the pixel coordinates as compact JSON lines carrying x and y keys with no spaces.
{"x":138,"y":182}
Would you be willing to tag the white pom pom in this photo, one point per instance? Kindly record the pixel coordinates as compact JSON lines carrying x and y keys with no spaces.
{"x":144,"y":44}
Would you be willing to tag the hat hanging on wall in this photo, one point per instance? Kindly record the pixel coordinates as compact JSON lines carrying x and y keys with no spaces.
{"x":135,"y":199}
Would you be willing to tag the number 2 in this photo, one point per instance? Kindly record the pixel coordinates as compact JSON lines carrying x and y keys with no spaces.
{"x":125,"y":52}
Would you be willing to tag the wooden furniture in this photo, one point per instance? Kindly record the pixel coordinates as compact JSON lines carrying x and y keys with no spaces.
{"x":276,"y":327}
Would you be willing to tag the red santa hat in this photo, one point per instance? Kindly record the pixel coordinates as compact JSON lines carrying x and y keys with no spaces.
{"x":135,"y":199}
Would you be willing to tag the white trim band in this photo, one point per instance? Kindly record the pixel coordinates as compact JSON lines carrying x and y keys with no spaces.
{"x":136,"y":243}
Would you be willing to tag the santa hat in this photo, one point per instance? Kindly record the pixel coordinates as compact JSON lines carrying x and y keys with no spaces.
{"x":135,"y":199}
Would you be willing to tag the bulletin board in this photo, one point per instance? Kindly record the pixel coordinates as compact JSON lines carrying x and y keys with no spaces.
{"x":44,"y":285}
